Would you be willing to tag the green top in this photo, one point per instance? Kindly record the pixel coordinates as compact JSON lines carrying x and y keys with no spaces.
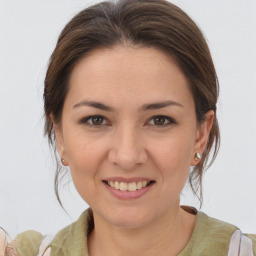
{"x":210,"y":237}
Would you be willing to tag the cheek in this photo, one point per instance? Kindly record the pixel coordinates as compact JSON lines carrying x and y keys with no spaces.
{"x":80,"y":149}
{"x":172,"y":158}
{"x":84,"y":157}
{"x":175,"y":151}
{"x":85,"y":160}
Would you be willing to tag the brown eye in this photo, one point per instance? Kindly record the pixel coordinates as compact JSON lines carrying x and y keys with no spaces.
{"x":159,"y":120}
{"x":94,"y":121}
{"x":97,"y":120}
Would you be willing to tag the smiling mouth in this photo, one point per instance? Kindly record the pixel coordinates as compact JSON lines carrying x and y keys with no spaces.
{"x":131,"y":186}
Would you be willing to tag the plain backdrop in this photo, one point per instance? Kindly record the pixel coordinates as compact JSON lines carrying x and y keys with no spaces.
{"x":28,"y":34}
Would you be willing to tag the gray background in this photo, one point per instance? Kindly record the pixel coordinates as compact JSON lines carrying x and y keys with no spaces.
{"x":28,"y":33}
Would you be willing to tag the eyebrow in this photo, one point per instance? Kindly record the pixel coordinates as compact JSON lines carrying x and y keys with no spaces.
{"x":150,"y":106}
{"x":159,"y":105}
{"x":93,"y":104}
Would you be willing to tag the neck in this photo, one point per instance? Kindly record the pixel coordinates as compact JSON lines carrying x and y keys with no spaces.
{"x":169,"y":234}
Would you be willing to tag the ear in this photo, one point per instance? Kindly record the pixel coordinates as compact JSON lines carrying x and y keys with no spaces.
{"x":202,"y":135}
{"x":59,"y":140}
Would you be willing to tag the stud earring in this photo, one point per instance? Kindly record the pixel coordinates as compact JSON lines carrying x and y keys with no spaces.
{"x":63,"y":162}
{"x":197,"y":156}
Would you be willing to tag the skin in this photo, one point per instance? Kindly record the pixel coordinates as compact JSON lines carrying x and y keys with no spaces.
{"x":128,"y":143}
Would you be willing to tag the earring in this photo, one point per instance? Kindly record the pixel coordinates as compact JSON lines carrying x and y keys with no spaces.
{"x":197,"y":156}
{"x":63,"y":162}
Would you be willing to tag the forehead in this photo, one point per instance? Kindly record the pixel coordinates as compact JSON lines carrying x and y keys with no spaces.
{"x":128,"y":73}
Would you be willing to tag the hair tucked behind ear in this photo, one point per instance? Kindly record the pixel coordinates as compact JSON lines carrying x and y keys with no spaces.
{"x":148,"y":23}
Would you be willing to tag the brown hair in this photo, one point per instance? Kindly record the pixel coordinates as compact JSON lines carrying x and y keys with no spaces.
{"x":148,"y":23}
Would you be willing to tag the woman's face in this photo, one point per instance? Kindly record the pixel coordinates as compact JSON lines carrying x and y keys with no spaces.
{"x":129,"y":134}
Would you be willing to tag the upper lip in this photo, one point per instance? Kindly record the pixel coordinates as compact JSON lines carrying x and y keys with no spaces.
{"x":127,"y":180}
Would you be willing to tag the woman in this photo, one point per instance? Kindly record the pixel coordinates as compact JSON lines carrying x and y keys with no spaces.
{"x":130,"y":101}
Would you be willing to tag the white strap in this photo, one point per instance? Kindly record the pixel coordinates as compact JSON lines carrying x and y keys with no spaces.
{"x":45,"y":243}
{"x":246,"y":246}
{"x":234,"y":244}
{"x":240,"y":245}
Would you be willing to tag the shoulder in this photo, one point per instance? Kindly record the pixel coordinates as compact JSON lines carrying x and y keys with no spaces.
{"x":33,"y":243}
{"x":213,"y":236}
{"x":28,"y":243}
{"x":71,"y":240}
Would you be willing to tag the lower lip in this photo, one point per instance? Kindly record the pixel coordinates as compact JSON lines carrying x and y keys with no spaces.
{"x":127,"y":195}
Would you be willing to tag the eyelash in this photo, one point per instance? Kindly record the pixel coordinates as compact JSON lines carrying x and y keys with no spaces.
{"x":170,"y":121}
{"x":88,"y":118}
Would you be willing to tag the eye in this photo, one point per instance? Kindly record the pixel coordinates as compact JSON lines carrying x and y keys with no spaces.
{"x":94,"y":120}
{"x":161,"y":121}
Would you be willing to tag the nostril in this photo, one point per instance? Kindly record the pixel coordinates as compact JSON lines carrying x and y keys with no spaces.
{"x":126,"y":161}
{"x":127,"y":157}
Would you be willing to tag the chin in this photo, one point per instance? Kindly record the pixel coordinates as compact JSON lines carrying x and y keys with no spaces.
{"x":128,"y":217}
{"x":129,"y":222}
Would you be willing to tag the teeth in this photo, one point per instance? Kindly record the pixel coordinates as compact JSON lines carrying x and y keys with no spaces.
{"x":116,"y":186}
{"x":132,"y":186}
{"x":139,"y":185}
{"x":123,"y":186}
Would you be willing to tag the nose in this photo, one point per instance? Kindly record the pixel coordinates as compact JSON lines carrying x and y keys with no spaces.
{"x":127,"y":149}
